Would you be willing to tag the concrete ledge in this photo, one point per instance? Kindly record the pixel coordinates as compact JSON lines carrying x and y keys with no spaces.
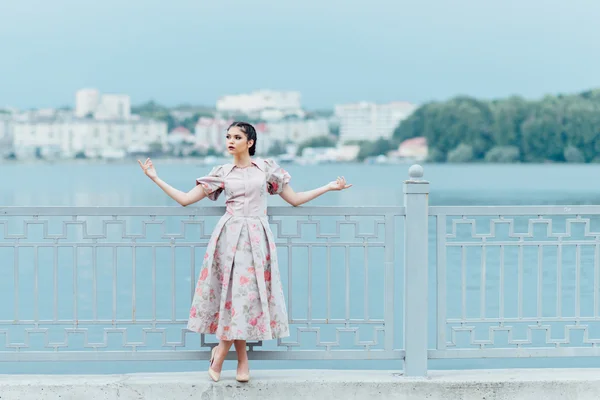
{"x":547,"y":384}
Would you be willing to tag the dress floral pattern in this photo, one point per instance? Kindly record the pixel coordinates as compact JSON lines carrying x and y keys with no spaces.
{"x":239,"y":294}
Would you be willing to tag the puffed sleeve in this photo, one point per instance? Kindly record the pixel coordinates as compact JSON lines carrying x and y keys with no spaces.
{"x":213,"y":183}
{"x":277,"y":177}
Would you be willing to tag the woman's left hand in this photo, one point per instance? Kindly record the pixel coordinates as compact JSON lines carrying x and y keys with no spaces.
{"x":338,"y":184}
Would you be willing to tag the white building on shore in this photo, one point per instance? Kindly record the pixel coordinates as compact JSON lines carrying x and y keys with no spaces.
{"x":370,"y":121}
{"x":264,"y":104}
{"x":5,"y":132}
{"x":79,"y":135}
{"x":96,"y":128}
{"x":4,"y":125}
{"x":210,"y":133}
{"x":89,"y":102}
{"x":296,"y":130}
{"x":86,"y":102}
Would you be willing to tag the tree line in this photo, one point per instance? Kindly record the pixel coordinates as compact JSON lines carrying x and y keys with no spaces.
{"x":562,"y":128}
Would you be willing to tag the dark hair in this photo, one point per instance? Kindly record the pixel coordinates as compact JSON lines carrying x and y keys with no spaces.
{"x":250,"y":132}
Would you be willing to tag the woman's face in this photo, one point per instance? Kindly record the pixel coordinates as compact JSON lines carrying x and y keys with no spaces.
{"x":237,"y":141}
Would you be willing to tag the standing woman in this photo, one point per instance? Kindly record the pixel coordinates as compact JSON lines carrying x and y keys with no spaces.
{"x":239,"y":295}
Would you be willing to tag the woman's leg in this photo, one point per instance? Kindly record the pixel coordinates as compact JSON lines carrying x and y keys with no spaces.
{"x":220,"y":354}
{"x":242,"y":356}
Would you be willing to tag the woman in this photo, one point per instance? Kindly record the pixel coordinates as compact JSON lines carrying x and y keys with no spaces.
{"x":239,"y":295}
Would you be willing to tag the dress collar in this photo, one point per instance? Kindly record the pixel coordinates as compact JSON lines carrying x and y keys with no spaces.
{"x":259,"y":163}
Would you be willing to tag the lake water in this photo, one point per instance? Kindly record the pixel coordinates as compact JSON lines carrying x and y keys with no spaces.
{"x":73,"y":184}
{"x":90,"y":184}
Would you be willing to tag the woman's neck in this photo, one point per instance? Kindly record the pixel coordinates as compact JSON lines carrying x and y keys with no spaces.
{"x":242,"y":160}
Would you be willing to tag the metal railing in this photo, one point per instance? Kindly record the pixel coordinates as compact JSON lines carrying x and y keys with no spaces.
{"x":115,"y":283}
{"x":509,"y":281}
{"x":525,"y":281}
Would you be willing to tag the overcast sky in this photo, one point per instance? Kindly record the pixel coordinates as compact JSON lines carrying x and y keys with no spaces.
{"x":332,"y":51}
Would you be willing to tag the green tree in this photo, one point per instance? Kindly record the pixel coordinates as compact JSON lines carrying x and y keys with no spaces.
{"x":509,"y":130}
{"x":153,"y":110}
{"x":149,"y":109}
{"x":156,"y":147}
{"x":448,"y":124}
{"x":509,"y":115}
{"x":435,"y":155}
{"x":372,"y":149}
{"x":190,"y":122}
{"x":277,"y":149}
{"x":573,"y":155}
{"x":461,"y":154}
{"x":334,"y":130}
{"x":503,"y":154}
{"x":543,"y":137}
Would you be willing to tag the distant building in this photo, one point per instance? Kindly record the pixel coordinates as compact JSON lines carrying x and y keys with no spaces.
{"x":114,"y":106}
{"x":76,"y":135}
{"x":297,"y":130}
{"x":210,"y":133}
{"x":265,"y":139}
{"x":5,"y":120}
{"x":181,"y":135}
{"x":100,"y":125}
{"x":370,"y":121}
{"x":181,"y":115}
{"x":320,"y":154}
{"x":86,"y":102}
{"x":348,"y":152}
{"x":89,"y":102}
{"x":330,"y":154}
{"x":262,"y":104}
{"x":415,"y":149}
{"x":6,"y":137}
{"x":275,"y":115}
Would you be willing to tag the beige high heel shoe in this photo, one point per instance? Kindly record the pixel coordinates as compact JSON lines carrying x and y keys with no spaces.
{"x":242,"y":377}
{"x":214,"y":375}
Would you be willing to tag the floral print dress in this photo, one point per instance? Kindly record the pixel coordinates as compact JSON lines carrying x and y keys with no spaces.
{"x":239,"y":294}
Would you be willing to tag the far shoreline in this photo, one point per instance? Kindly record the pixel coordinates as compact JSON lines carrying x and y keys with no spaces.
{"x":202,"y":162}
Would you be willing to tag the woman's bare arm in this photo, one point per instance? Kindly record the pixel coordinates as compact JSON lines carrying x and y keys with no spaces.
{"x":183,"y":198}
{"x":298,"y":198}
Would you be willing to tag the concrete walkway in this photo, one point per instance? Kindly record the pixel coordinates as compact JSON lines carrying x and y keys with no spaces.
{"x":549,"y":384}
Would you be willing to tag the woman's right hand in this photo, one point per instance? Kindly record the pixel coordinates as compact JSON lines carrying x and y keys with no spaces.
{"x":148,"y":168}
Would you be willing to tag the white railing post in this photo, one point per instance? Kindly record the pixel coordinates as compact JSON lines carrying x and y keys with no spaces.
{"x":416,"y":196}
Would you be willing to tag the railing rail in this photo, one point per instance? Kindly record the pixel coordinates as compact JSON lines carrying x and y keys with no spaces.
{"x":115,"y":283}
{"x":517,"y":281}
